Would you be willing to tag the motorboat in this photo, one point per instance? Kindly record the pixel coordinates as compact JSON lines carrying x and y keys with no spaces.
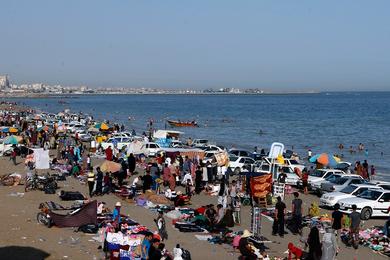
{"x":182,"y":124}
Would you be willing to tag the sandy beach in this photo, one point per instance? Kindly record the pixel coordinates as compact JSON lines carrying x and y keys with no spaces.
{"x":20,"y":228}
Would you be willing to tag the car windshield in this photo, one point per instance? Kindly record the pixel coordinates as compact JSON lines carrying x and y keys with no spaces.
{"x":370,"y":194}
{"x":233,"y":158}
{"x":294,"y":162}
{"x":332,"y":178}
{"x":340,"y":181}
{"x":349,"y":189}
{"x":317,"y":173}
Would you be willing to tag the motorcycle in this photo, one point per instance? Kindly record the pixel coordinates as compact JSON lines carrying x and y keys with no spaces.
{"x":37,"y":182}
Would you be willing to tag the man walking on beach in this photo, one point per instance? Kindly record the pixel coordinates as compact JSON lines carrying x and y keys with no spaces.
{"x":297,"y":212}
{"x":280,"y":211}
{"x":355,"y":226}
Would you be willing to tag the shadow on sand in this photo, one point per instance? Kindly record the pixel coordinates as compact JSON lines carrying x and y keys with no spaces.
{"x":22,"y":252}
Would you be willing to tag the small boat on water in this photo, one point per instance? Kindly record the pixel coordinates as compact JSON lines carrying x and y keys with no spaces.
{"x":182,"y":124}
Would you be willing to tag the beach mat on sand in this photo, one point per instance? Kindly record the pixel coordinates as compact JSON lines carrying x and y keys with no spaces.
{"x":84,"y":216}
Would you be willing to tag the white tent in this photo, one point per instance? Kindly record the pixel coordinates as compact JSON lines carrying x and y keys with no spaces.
{"x":41,"y":158}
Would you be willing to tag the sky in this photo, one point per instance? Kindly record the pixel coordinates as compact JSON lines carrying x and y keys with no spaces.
{"x":274,"y":45}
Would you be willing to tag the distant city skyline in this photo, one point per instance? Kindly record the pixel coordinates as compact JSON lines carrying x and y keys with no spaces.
{"x":279,"y":46}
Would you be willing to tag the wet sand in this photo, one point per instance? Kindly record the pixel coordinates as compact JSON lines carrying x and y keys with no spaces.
{"x":20,"y":228}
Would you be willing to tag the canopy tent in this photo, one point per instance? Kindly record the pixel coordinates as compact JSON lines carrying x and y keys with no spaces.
{"x":41,"y":158}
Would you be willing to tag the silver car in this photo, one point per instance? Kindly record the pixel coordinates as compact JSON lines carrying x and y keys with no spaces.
{"x":340,"y":183}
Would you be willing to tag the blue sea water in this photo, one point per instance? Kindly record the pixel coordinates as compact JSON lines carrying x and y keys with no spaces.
{"x":316,"y":121}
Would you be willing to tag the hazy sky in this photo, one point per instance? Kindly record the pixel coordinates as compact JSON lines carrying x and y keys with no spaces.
{"x":325,"y":45}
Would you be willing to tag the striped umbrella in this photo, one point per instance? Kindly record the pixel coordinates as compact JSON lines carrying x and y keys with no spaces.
{"x":325,"y":159}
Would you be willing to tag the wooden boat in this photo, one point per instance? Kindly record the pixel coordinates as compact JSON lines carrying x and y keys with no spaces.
{"x":182,"y":124}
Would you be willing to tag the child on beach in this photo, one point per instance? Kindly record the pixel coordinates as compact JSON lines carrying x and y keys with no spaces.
{"x":236,"y":205}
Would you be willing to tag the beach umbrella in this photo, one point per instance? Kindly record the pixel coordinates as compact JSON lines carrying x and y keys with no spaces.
{"x":325,"y":159}
{"x":102,"y":126}
{"x":109,"y":166}
{"x":11,"y":139}
{"x":13,"y":130}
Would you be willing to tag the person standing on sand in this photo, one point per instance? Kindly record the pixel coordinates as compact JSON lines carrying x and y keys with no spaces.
{"x":373,"y":171}
{"x":337,"y":217}
{"x":147,"y":182}
{"x":99,"y":181}
{"x":366,"y":170}
{"x":116,"y":215}
{"x":91,"y":181}
{"x":329,"y":245}
{"x":131,"y":162}
{"x":309,"y":154}
{"x":109,"y":154}
{"x":13,"y":156}
{"x":280,"y":211}
{"x":145,"y":246}
{"x":355,"y":224}
{"x":160,"y":222}
{"x":297,"y":212}
{"x":314,"y":243}
{"x":305,"y":179}
{"x":198,"y":180}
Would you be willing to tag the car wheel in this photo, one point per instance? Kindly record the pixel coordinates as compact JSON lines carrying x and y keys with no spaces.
{"x":366,"y":213}
{"x":43,"y":219}
{"x":237,"y":171}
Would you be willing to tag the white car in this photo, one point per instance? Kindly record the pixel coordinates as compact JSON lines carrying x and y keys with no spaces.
{"x":370,"y":203}
{"x":118,"y":142}
{"x":236,"y":163}
{"x":333,"y":181}
{"x":150,"y":149}
{"x":320,"y":175}
{"x":292,"y":178}
{"x":83,"y":135}
{"x":199,"y":143}
{"x":340,"y":183}
{"x":176,"y":143}
{"x":330,"y":199}
{"x":294,"y":164}
{"x":73,"y":126}
{"x":213,"y":149}
{"x":122,"y":134}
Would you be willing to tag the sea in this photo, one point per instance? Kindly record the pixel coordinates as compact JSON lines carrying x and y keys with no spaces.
{"x":319,"y":122}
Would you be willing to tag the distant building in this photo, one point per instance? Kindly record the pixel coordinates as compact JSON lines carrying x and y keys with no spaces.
{"x":4,"y":82}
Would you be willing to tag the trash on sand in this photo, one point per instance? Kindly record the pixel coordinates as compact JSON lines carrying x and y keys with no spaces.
{"x":16,"y":194}
{"x":24,"y":238}
{"x":74,"y":241}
